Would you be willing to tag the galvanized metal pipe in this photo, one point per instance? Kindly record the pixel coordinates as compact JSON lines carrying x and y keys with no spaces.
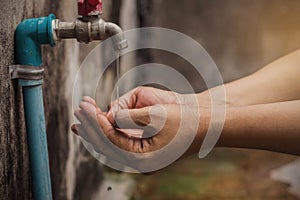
{"x":87,"y":29}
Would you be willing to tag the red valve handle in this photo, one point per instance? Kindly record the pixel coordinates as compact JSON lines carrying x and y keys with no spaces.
{"x":89,"y":7}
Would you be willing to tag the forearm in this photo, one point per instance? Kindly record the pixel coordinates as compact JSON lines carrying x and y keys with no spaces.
{"x":277,"y":82}
{"x":273,"y":127}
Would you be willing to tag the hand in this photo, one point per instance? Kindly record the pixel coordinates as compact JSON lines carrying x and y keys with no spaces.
{"x":148,"y":96}
{"x":160,"y":124}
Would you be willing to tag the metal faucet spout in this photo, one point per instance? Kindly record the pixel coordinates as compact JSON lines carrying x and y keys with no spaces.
{"x":87,"y":29}
{"x":119,"y":40}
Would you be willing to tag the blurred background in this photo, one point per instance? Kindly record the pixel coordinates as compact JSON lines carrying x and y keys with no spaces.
{"x":240,"y":36}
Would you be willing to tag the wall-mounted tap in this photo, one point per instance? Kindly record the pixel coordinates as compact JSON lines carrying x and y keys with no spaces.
{"x":29,"y":36}
{"x":89,"y":26}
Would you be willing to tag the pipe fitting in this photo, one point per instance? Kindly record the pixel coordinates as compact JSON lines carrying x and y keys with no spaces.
{"x":29,"y":36}
{"x":119,"y":40}
{"x":87,"y":29}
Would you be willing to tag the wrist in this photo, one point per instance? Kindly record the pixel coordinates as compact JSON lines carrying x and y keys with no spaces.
{"x":205,"y":99}
{"x":203,"y":124}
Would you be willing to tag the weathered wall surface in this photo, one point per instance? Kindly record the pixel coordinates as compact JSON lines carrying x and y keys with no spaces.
{"x":70,"y":165}
{"x":14,"y":170}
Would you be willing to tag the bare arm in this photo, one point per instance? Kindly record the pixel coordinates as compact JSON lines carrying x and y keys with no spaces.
{"x":274,"y":127}
{"x":277,"y":82}
{"x":263,"y":112}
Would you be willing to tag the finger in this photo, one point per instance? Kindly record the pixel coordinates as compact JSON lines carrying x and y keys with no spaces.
{"x":132,"y":133}
{"x":84,"y":118}
{"x":138,"y":122}
{"x":134,"y":145}
{"x":121,"y":140}
{"x":86,"y":134}
{"x":98,"y":135}
{"x":91,"y":101}
{"x":104,"y":124}
{"x":114,"y":108}
{"x":150,"y":119}
{"x":133,"y":118}
{"x":111,"y":116}
{"x":90,"y":112}
{"x":86,"y":129}
{"x":126,"y":101}
{"x":102,"y":145}
{"x":87,"y":116}
{"x":74,"y":129}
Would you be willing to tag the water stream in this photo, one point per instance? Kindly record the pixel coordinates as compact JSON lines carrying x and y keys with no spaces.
{"x":117,"y":65}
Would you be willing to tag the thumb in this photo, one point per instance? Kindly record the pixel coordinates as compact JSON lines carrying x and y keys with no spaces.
{"x":150,"y":119}
{"x":112,"y":113}
{"x":133,"y":118}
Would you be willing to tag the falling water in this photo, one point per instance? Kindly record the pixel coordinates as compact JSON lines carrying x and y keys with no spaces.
{"x":118,"y":78}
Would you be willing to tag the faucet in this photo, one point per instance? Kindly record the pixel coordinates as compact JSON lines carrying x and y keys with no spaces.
{"x":89,"y":26}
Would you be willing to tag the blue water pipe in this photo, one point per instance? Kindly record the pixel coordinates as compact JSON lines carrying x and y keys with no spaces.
{"x":29,"y":36}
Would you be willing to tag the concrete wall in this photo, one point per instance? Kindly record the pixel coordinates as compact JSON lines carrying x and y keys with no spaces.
{"x":71,"y":165}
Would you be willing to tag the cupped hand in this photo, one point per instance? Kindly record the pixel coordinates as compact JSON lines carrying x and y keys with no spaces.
{"x":147,"y":130}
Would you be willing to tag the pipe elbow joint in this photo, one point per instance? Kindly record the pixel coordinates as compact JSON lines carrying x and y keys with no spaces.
{"x":114,"y":31}
{"x":29,"y":35}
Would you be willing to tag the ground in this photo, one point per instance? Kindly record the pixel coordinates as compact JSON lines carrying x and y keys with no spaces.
{"x":224,"y":174}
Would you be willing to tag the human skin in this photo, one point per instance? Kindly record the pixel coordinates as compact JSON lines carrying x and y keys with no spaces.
{"x":279,"y":81}
{"x":263,"y":112}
